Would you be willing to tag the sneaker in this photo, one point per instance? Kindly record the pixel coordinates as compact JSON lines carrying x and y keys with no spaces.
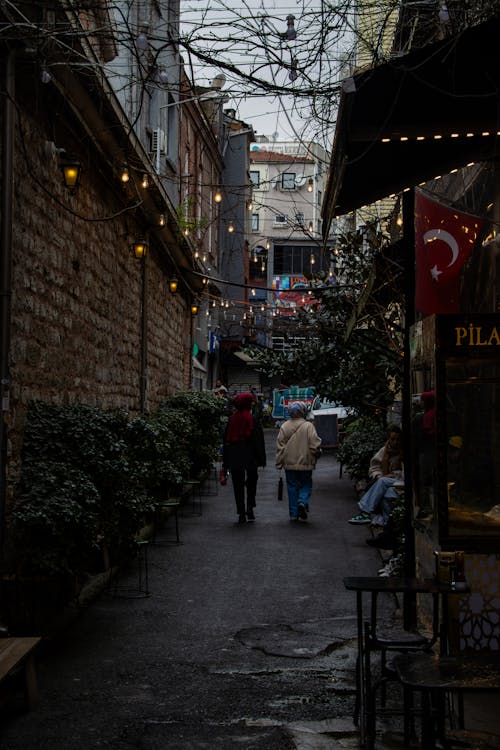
{"x":250,"y":515}
{"x":361,"y":518}
{"x":302,"y":511}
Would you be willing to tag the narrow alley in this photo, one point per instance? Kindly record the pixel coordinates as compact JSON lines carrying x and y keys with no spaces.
{"x":248,"y":637}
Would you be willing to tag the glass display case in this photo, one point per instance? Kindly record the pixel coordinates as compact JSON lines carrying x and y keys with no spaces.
{"x":455,"y":385}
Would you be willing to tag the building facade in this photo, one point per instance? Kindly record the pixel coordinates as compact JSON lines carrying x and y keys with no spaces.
{"x":86,"y":308}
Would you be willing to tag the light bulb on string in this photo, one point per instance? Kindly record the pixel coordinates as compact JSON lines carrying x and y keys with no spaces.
{"x":145,"y":181}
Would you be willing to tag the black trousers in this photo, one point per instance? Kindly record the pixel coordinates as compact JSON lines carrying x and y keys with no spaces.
{"x":240,"y":479}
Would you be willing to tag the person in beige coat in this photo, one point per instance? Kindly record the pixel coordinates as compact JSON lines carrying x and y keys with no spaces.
{"x":297,"y":450}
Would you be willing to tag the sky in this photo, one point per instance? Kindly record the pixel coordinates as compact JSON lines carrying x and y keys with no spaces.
{"x":250,"y":34}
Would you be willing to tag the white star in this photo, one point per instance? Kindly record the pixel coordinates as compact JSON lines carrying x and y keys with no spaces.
{"x":435,"y":273}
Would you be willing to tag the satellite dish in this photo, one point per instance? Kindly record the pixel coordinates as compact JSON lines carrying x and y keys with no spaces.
{"x":218,"y":82}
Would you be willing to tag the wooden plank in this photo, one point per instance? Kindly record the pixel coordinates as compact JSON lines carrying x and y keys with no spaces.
{"x":13,"y":651}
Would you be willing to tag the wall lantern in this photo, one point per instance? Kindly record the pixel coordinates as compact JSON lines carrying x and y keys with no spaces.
{"x":194,"y":309}
{"x":71,"y":169}
{"x":140,"y":248}
{"x":173,"y":284}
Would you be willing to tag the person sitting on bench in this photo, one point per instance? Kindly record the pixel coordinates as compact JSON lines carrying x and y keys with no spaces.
{"x":386,"y":468}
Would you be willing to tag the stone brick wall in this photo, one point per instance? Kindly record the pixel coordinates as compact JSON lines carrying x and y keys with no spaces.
{"x":76,"y":323}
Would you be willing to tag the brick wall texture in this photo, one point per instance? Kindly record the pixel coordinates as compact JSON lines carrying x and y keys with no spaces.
{"x":77,"y":291}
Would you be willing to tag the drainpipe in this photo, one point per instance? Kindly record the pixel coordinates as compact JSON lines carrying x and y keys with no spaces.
{"x":409,"y":614}
{"x":144,"y":333}
{"x":6,"y":192}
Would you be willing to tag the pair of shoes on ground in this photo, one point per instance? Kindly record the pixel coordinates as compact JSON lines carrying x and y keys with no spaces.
{"x":360,"y":519}
{"x":392,"y":568}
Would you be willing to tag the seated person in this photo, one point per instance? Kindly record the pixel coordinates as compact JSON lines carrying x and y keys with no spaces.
{"x":386,"y":468}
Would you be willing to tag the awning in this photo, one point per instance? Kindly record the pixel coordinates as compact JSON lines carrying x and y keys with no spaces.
{"x":197,"y":365}
{"x":414,"y":118}
{"x":246,"y":358}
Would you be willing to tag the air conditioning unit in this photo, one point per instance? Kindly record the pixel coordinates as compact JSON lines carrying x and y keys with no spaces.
{"x":158,"y":141}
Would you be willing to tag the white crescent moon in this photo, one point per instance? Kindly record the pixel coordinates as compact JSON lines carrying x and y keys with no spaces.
{"x":441,"y":234}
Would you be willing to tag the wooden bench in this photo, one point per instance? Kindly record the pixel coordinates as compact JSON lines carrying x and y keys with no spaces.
{"x":16,"y":652}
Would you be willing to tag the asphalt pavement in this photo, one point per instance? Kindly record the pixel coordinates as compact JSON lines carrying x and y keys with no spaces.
{"x":247,"y":639}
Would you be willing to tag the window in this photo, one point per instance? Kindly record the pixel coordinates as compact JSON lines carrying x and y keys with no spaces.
{"x":255,"y":222}
{"x":255,"y":177}
{"x":288,"y":181}
{"x":295,"y":259}
{"x":280,"y":219}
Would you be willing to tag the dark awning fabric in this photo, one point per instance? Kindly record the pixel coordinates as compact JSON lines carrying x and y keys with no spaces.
{"x":449,"y":89}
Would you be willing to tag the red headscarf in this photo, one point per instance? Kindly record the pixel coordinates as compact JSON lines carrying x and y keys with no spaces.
{"x":240,"y":424}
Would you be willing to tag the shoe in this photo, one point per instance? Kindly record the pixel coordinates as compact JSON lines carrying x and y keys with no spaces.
{"x":393,"y":567}
{"x":302,"y":511}
{"x":361,"y":518}
{"x":382,"y":541}
{"x":250,"y":515}
{"x":242,"y":518}
{"x":294,"y":518}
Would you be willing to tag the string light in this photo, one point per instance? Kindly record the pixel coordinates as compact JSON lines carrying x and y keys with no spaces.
{"x":125,"y":176}
{"x":145,"y":181}
{"x":162,"y":221}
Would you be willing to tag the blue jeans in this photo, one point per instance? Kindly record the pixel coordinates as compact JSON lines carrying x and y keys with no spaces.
{"x":299,"y":488}
{"x":377,"y":498}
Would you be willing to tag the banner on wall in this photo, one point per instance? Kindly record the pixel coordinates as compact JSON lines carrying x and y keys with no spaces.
{"x":444,"y":239}
{"x":291,"y":293}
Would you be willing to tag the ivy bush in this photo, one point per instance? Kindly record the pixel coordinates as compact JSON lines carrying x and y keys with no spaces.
{"x":364,"y":437}
{"x":92,"y":477}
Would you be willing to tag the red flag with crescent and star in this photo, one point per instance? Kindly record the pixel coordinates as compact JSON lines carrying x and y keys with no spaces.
{"x":444,"y":239}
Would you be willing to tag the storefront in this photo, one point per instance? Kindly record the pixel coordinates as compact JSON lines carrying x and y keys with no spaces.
{"x":403,"y":123}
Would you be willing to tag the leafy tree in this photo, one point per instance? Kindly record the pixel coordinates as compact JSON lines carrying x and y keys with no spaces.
{"x":352,"y":344}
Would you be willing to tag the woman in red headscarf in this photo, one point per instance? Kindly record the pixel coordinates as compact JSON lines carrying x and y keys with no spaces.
{"x":244,"y":451}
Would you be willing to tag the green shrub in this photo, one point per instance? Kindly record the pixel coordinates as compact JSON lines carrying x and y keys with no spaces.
{"x":363,"y":438}
{"x":91,"y":477}
{"x":197,"y":420}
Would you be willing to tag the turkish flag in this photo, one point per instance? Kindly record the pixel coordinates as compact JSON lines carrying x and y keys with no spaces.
{"x":444,"y":239}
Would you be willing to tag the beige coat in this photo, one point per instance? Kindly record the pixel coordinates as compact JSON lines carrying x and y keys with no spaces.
{"x":298,"y":445}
